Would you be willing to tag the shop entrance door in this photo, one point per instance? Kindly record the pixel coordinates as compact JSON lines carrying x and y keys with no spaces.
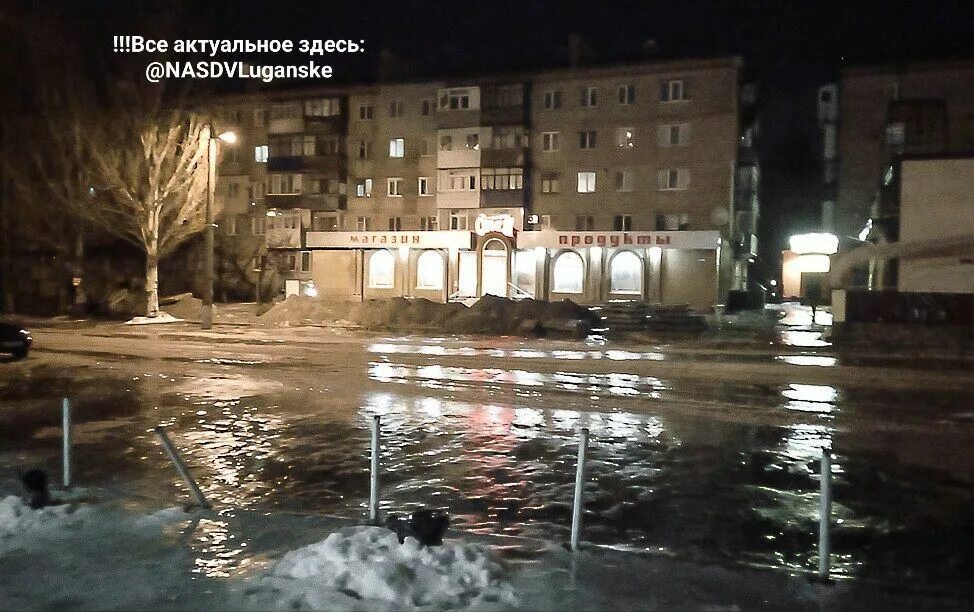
{"x":494,"y":269}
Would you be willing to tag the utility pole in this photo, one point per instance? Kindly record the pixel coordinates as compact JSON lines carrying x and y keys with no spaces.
{"x":206,"y":313}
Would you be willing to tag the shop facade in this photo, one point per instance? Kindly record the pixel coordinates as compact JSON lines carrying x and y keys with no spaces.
{"x":678,"y":267}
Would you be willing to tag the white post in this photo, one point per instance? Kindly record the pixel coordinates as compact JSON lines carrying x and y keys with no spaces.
{"x":374,"y":473}
{"x":181,"y":468}
{"x":825,"y":512}
{"x":579,"y":481}
{"x":66,"y":441}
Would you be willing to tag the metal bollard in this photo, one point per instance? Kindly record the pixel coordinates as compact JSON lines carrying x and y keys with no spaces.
{"x":825,"y":514}
{"x":66,"y":442}
{"x":579,"y":481}
{"x":181,"y":467}
{"x":374,"y":473}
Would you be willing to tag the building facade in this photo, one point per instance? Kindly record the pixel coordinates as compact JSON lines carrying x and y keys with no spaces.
{"x":886,"y":113}
{"x":624,"y":182}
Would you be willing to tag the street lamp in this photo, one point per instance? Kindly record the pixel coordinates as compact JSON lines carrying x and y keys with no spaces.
{"x":206,"y":313}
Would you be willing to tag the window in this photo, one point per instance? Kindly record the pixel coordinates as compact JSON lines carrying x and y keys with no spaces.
{"x":673,"y":222}
{"x":673,"y":178}
{"x":382,"y":269}
{"x":260,"y":153}
{"x":825,"y":95}
{"x":324,"y":223}
{"x":426,"y":107}
{"x":230,"y":225}
{"x":425,"y":147}
{"x":363,"y":149}
{"x":586,"y":182}
{"x":363,"y":188}
{"x":286,"y":111}
{"x":455,"y":100}
{"x":429,"y":224}
{"x":508,"y":137}
{"x":363,"y":224}
{"x":550,"y":141}
{"x":324,"y":107}
{"x":549,"y":183}
{"x":458,"y":220}
{"x":626,"y":273}
{"x":545,"y":222}
{"x":586,"y":140}
{"x":457,"y":180}
{"x":429,"y":270}
{"x":285,"y":184}
{"x":627,"y":94}
{"x":501,"y":178}
{"x":473,"y":142}
{"x":673,"y":91}
{"x":395,"y":224}
{"x":397,"y":147}
{"x":626,"y":137}
{"x":258,"y":225}
{"x":584,"y":223}
{"x":552,"y":99}
{"x":569,"y":273}
{"x":424,"y":186}
{"x":394,"y":187}
{"x":624,"y":180}
{"x":395,"y":108}
{"x":365,"y":112}
{"x":446,"y":142}
{"x":896,"y":134}
{"x":590,"y":97}
{"x":622,"y":223}
{"x":673,"y":135}
{"x":508,"y":96}
{"x":260,"y":117}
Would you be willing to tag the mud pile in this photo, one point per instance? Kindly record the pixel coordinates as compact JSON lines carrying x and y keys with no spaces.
{"x":489,"y":315}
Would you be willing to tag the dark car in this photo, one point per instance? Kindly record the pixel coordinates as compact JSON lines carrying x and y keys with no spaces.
{"x":14,"y":339}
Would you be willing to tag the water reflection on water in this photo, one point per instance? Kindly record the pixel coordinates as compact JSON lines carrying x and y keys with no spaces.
{"x":688,"y":483}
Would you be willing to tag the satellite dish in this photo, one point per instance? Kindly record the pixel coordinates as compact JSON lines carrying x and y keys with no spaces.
{"x":719,"y":216}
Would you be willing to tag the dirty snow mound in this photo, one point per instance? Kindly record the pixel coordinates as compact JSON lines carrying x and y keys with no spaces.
{"x":367,"y":568}
{"x":183,"y":306}
{"x":162,"y":317}
{"x":16,"y":517}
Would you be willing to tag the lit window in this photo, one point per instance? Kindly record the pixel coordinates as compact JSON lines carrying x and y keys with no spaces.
{"x":429,"y":270}
{"x":424,"y":186}
{"x":586,"y":182}
{"x":626,"y":274}
{"x":397,"y":147}
{"x":260,"y":153}
{"x":382,"y":269}
{"x":363,"y":188}
{"x":626,"y":137}
{"x":569,"y":272}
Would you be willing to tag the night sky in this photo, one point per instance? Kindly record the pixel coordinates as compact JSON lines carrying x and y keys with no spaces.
{"x":789,"y":49}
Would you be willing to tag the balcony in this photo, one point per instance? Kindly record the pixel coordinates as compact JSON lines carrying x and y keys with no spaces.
{"x":502,"y":158}
{"x":315,"y":202}
{"x":502,"y":198}
{"x":331,"y":164}
{"x":286,"y":125}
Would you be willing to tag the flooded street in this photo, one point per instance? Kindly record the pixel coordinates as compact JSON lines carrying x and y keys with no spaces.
{"x":703,"y":454}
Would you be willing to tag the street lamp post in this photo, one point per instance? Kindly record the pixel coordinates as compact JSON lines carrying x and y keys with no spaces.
{"x":206,"y":313}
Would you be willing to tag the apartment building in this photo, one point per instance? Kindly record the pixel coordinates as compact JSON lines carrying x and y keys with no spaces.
{"x":885,"y":113}
{"x":635,"y":181}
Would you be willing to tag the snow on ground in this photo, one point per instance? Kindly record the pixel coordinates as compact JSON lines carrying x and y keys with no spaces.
{"x":367,"y":568}
{"x":162,"y":317}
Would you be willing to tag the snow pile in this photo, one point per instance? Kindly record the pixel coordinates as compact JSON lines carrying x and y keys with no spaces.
{"x":367,"y":568}
{"x":162,"y":317}
{"x":182,"y":306}
{"x":489,"y":315}
{"x":16,"y":518}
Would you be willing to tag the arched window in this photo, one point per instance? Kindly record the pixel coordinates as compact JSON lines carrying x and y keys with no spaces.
{"x":429,"y":270}
{"x":382,"y":269}
{"x":626,"y":273}
{"x":569,"y":273}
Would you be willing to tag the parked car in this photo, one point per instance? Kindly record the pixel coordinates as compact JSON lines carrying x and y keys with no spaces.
{"x":15,"y":340}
